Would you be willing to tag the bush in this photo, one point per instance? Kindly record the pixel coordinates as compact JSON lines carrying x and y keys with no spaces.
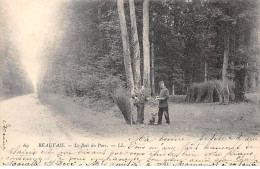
{"x":208,"y":92}
{"x":91,"y":90}
{"x":94,"y":87}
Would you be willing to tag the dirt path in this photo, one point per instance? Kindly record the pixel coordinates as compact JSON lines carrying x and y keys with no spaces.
{"x":28,"y":117}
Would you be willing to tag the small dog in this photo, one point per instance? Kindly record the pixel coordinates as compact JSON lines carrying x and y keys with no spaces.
{"x":136,"y":100}
{"x":152,"y":120}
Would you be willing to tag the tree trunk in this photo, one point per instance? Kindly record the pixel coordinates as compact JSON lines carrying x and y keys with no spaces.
{"x":136,"y":46}
{"x":99,"y":11}
{"x":256,"y":41}
{"x":251,"y":76}
{"x":173,"y":91}
{"x":253,"y":82}
{"x":241,"y":71}
{"x":126,"y":52}
{"x":126,"y":49}
{"x":225,"y":67}
{"x":240,"y":75}
{"x":258,"y":73}
{"x":146,"y":45}
{"x":247,"y":81}
{"x":206,"y":72}
{"x":253,"y":63}
{"x":152,"y":68}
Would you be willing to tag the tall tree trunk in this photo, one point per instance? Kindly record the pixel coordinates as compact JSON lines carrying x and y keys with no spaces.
{"x":252,"y":63}
{"x":173,"y":89}
{"x":247,"y":79}
{"x":253,"y":82}
{"x":146,"y":45}
{"x":126,"y":49}
{"x":258,"y":73}
{"x":241,"y":71}
{"x":206,"y":72}
{"x":99,"y":10}
{"x":239,"y":79}
{"x":126,"y":53}
{"x":225,"y":67}
{"x":256,"y":41}
{"x":136,"y":46}
{"x":152,"y":68}
{"x":251,"y":76}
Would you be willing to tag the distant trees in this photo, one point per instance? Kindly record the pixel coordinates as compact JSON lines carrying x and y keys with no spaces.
{"x":13,"y":79}
{"x":211,"y":32}
{"x":179,"y":42}
{"x":2,"y":39}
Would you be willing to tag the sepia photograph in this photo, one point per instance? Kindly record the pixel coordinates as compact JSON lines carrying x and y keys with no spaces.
{"x":129,"y":83}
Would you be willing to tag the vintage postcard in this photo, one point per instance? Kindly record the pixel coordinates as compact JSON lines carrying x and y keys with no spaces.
{"x":129,"y":83}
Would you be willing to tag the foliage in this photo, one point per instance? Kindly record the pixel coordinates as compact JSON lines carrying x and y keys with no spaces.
{"x":186,"y":37}
{"x":13,"y":79}
{"x":208,"y":92}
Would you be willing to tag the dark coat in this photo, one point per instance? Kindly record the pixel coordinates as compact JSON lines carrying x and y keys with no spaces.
{"x":142,"y":98}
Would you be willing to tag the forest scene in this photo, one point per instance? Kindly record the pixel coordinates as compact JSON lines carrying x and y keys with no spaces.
{"x":100,"y":52}
{"x":207,"y":50}
{"x":129,"y":82}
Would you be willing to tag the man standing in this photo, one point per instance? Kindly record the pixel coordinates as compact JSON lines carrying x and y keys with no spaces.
{"x":140,"y":98}
{"x":163,"y":103}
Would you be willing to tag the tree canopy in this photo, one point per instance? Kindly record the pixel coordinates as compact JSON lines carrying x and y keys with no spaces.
{"x":188,"y":45}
